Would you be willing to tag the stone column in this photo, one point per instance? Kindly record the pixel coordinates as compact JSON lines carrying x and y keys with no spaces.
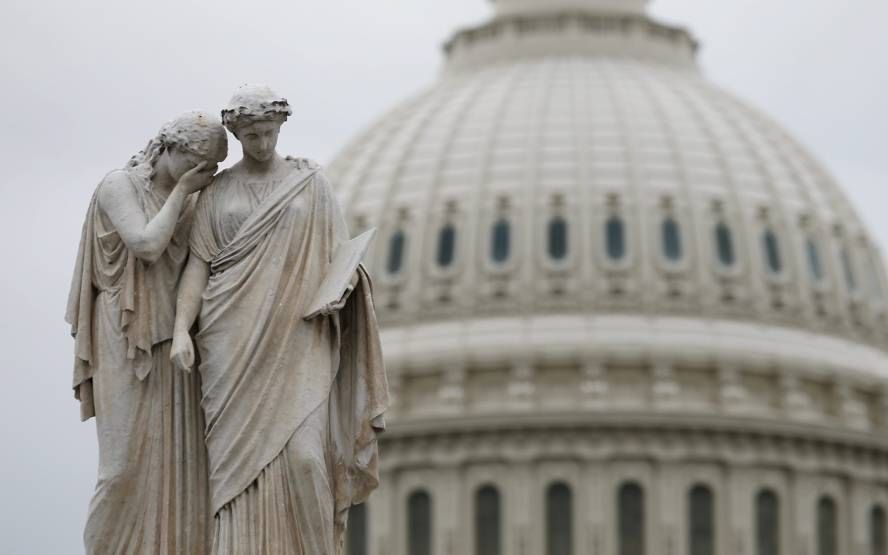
{"x":803,"y":527}
{"x":858,"y":516}
{"x":380,"y":511}
{"x":741,"y":494}
{"x":520,"y":532}
{"x":447,"y":510}
{"x":594,"y":521}
{"x":670,"y":524}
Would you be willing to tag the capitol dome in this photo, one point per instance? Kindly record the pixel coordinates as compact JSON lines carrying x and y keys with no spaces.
{"x":623,"y":312}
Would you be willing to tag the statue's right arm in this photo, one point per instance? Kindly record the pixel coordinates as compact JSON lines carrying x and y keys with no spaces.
{"x":146,"y":239}
{"x":191,"y":288}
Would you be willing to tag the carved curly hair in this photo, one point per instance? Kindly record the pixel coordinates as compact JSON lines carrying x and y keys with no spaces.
{"x":195,"y":131}
{"x":252,"y":103}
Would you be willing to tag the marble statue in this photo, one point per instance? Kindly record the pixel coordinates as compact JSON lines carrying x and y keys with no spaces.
{"x":152,"y":489}
{"x":292,"y":403}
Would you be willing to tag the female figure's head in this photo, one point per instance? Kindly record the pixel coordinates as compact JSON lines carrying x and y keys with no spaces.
{"x":182,"y":144}
{"x":255,"y":115}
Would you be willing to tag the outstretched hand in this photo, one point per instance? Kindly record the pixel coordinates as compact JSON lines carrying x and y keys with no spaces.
{"x":182,"y":352}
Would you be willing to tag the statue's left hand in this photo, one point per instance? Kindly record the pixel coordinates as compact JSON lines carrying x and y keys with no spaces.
{"x":333,"y":308}
{"x":336,"y":307}
{"x":182,"y":352}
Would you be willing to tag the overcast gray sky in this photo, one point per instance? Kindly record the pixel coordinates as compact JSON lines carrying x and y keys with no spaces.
{"x":86,"y":83}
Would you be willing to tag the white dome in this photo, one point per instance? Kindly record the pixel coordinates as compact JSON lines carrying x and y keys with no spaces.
{"x":589,"y":138}
{"x":594,"y":269}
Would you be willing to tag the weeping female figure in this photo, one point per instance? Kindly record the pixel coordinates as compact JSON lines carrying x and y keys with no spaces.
{"x":152,"y":493}
{"x":292,"y":403}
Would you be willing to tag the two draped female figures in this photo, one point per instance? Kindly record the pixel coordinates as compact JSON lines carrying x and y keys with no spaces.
{"x":228,"y":422}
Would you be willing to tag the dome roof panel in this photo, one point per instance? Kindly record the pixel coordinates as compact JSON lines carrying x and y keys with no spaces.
{"x":590,"y":139}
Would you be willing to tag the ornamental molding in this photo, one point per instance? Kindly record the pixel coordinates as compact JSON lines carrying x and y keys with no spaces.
{"x":676,"y":439}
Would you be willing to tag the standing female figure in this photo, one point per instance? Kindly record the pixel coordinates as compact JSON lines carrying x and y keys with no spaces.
{"x":292,"y":405}
{"x":152,"y":494}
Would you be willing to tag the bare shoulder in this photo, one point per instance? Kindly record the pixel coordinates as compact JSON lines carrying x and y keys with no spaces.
{"x":115,"y":188}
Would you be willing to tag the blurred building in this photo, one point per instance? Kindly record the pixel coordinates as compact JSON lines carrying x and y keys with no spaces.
{"x":623,"y":311}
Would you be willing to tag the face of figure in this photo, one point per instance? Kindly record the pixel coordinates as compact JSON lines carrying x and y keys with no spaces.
{"x":178,"y":161}
{"x":260,"y":139}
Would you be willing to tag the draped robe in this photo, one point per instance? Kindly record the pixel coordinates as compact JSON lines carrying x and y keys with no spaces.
{"x":151,"y":496}
{"x":268,"y":374}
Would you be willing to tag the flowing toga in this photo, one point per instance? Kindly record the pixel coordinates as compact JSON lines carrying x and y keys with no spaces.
{"x":152,"y":495}
{"x":292,"y":406}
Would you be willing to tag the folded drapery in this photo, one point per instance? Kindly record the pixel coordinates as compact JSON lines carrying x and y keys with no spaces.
{"x":264,"y":368}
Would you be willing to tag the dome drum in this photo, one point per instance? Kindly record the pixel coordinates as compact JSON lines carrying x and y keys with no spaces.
{"x":522,"y":462}
{"x":739,"y":285}
{"x":612,"y":365}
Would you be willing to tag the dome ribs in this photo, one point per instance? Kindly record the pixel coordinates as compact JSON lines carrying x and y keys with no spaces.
{"x":683,"y":204}
{"x":589,"y":138}
{"x":489,"y":207}
{"x":627,"y":203}
{"x":440,"y":285}
{"x":549,"y":279}
{"x":774,"y":216}
{"x":357,"y":162}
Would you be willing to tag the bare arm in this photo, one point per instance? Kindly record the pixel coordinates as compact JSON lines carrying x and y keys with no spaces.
{"x":188,"y":302}
{"x":147,"y":239}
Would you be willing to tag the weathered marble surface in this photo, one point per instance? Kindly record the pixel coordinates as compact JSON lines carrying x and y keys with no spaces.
{"x":152,"y":494}
{"x":293,"y":406}
{"x":266,"y":444}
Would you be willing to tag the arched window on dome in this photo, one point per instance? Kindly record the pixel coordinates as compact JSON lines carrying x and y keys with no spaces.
{"x":396,"y":250}
{"x":630,"y":519}
{"x":771,"y":250}
{"x":827,"y":524}
{"x":877,"y":531}
{"x":701,"y":520}
{"x":671,"y":236}
{"x":446,"y":246}
{"x":501,"y":241}
{"x":615,"y":237}
{"x":557,"y":239}
{"x":724,"y":245}
{"x":559,"y":520}
{"x":875,"y":275}
{"x":356,"y":532}
{"x":419,"y":523}
{"x":848,"y":269}
{"x":488,"y":521}
{"x":815,"y":267}
{"x":767,"y":523}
